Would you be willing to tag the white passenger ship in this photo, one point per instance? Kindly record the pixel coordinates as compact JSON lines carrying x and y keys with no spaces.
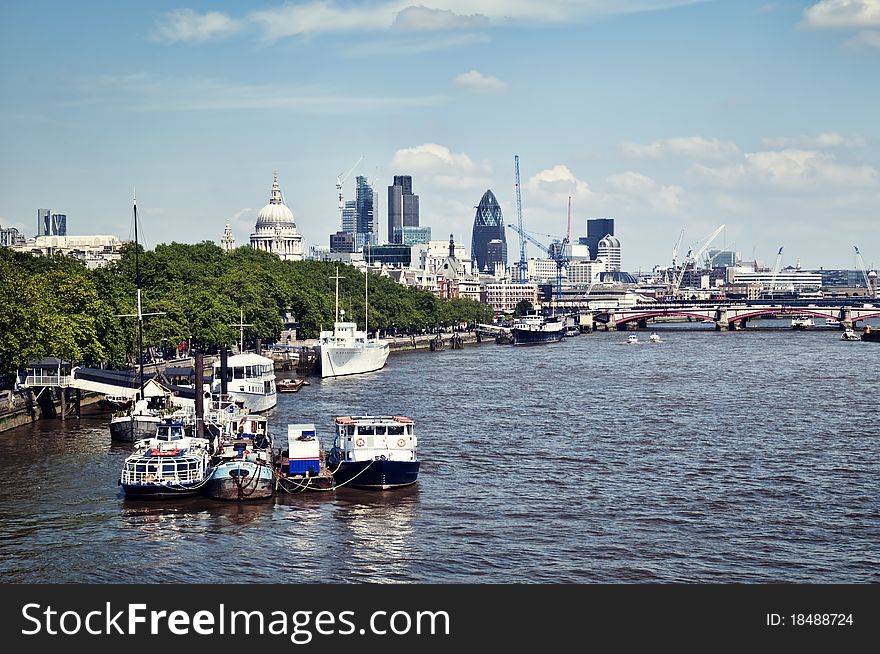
{"x":250,"y":379}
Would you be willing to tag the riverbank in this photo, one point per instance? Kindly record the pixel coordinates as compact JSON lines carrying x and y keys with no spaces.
{"x":22,"y":408}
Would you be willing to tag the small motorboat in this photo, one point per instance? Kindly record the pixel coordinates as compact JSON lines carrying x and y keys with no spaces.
{"x":632,"y":339}
{"x":655,"y":338}
{"x":290,"y":385}
{"x":849,"y":335}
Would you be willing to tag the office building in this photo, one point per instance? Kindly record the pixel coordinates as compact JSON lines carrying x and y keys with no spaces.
{"x":403,"y":208}
{"x":488,"y":228}
{"x":597,"y":229}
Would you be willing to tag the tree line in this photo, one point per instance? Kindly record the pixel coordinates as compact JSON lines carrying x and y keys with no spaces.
{"x":56,"y":306}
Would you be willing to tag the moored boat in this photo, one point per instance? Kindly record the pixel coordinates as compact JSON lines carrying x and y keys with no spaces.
{"x":244,"y":462}
{"x":289,"y":385}
{"x":250,"y":379}
{"x":534,"y":328}
{"x":170,"y":464}
{"x":374,"y":452}
{"x":348,"y":351}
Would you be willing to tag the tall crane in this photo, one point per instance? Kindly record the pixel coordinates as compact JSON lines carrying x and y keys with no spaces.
{"x":675,"y":249}
{"x":340,"y":178}
{"x":776,"y":265}
{"x":522,"y":234}
{"x":694,"y":258}
{"x":861,"y":264}
{"x":555,"y":253}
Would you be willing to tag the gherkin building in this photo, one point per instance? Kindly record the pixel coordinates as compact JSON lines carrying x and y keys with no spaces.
{"x":488,"y":243}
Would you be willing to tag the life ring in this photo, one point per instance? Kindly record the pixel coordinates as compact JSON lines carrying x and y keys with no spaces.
{"x":359,"y":442}
{"x":400,"y":442}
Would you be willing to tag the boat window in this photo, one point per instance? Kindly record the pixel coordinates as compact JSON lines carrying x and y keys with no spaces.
{"x":238,"y":373}
{"x":350,"y":431}
{"x":168,"y":469}
{"x":365,"y":430}
{"x":395,"y":430}
{"x":380,"y":430}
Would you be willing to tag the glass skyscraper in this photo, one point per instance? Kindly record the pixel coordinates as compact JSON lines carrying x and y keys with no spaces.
{"x":403,"y":208}
{"x":488,"y":228}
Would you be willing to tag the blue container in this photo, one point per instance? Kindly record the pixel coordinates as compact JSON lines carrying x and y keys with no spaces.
{"x":302,"y":466}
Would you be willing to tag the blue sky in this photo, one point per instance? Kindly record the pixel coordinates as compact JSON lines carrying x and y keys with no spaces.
{"x":667,"y":115}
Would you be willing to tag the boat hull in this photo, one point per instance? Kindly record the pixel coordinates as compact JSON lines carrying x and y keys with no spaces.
{"x":342,"y":361}
{"x":240,"y":481}
{"x":133,"y":428}
{"x":377,"y":474}
{"x":160,"y":491}
{"x":536,"y":337}
{"x":255,"y":402}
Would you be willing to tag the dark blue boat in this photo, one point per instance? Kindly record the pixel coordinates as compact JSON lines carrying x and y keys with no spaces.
{"x":374,"y":452}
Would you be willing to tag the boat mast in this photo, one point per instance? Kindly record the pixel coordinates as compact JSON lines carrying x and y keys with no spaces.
{"x":140,"y":314}
{"x":337,"y":278}
{"x":366,"y":296}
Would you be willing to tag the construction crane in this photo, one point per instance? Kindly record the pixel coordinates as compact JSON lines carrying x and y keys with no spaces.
{"x":519,"y":230}
{"x":861,"y":264}
{"x":675,"y":249}
{"x":776,"y":265}
{"x":694,"y":258}
{"x":340,"y":179}
{"x":556,"y":253}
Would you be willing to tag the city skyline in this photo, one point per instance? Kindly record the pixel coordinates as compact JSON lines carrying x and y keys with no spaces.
{"x":666,"y":115}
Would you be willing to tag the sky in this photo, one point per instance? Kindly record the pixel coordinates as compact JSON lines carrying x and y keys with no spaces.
{"x":674,"y":117}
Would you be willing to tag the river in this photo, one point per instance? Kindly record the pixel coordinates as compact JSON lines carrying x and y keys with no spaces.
{"x":710,"y":457}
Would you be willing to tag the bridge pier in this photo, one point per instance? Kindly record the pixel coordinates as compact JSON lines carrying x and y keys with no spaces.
{"x":845,"y":318}
{"x":642,"y":323}
{"x":721,"y":322}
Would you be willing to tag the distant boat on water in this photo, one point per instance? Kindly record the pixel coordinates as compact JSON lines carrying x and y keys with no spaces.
{"x":347,"y":351}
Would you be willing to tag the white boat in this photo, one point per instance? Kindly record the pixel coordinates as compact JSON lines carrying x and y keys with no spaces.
{"x":801,"y":322}
{"x":850,"y":335}
{"x":632,"y":339}
{"x":655,"y":338}
{"x":347,"y":350}
{"x":170,"y":464}
{"x":832,"y":322}
{"x":250,"y":379}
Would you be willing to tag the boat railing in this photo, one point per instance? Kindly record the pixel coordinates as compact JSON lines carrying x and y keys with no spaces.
{"x":156,"y":471}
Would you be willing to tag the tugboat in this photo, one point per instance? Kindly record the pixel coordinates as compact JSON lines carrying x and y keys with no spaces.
{"x":871,"y":334}
{"x":171,"y":464}
{"x":374,"y":452}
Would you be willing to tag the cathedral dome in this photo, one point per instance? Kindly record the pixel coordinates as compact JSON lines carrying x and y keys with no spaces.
{"x":276,"y":212}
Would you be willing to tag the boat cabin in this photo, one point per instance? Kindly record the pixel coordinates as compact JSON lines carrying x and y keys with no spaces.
{"x":303,"y":449}
{"x":363,"y":438}
{"x":168,"y":431}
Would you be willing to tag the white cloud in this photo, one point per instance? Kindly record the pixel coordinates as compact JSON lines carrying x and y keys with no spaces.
{"x":186,"y":26}
{"x":825,"y":140}
{"x":415,"y":45}
{"x":326,"y":16}
{"x":843,"y":14}
{"x":444,"y":168}
{"x":476,"y":81}
{"x":144,"y":92}
{"x":696,"y":147}
{"x":792,"y":170}
{"x":635,"y":187}
{"x":424,"y":19}
{"x":864,"y":39}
